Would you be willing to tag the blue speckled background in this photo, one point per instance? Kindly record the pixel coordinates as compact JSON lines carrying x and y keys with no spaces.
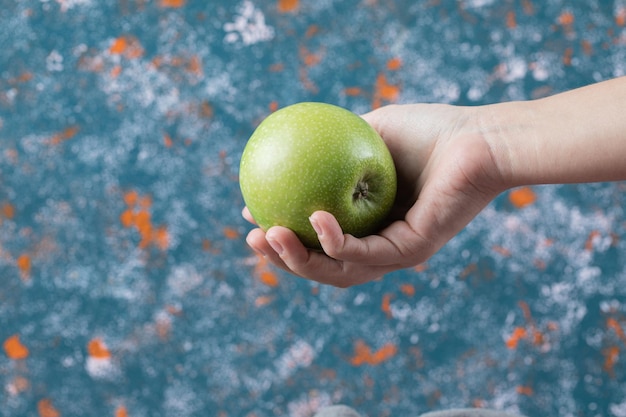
{"x":127,"y":289}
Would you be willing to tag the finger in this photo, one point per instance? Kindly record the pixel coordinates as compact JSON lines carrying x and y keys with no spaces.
{"x":396,"y":245}
{"x":257,"y":241}
{"x":317,"y":266}
{"x":247,"y":215}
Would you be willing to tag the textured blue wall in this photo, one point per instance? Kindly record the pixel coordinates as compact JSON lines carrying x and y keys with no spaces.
{"x":127,"y":289}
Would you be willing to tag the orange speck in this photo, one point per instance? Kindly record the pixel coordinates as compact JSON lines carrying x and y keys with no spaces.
{"x":176,"y":61}
{"x":468,"y":270}
{"x":587,"y":47}
{"x":142,"y":221}
{"x":384,"y":91}
{"x":421,"y":267}
{"x":167,"y":140}
{"x":161,"y":238}
{"x":522,"y":197}
{"x":501,"y":250}
{"x":172,"y":3}
{"x":7,"y":211}
{"x":286,"y":6}
{"x":269,"y":278}
{"x":121,"y":411}
{"x":97,"y":349}
{"x":594,"y":235}
{"x":567,"y":57}
{"x":273,"y":106}
{"x":352,"y":91}
{"x":263,"y":272}
{"x":24,"y":264}
{"x":119,"y":46}
{"x":127,"y":46}
{"x":145,"y":201}
{"x":524,"y":390}
{"x":116,"y":71}
{"x":363,"y":354}
{"x":620,"y":16}
{"x":194,"y":66}
{"x":206,"y":110}
{"x":566,"y":18}
{"x":540,"y":264}
{"x":131,"y":198}
{"x":408,"y":290}
{"x":511,"y":22}
{"x":278,"y":67}
{"x":384,"y":353}
{"x":25,"y":77}
{"x":173,"y":310}
{"x":538,"y":338}
{"x":528,"y":7}
{"x":311,"y":31}
{"x":68,"y":133}
{"x":613,"y":324}
{"x":310,"y":59}
{"x":127,"y":218}
{"x":143,"y":224}
{"x":394,"y":64}
{"x":18,"y":385}
{"x":14,"y":348}
{"x":306,"y":82}
{"x":163,"y":326}
{"x":611,"y":356}
{"x":523,"y":305}
{"x":518,"y":334}
{"x":263,"y":300}
{"x":386,"y":305}
{"x":46,"y":409}
{"x":230,"y":233}
{"x":157,"y":61}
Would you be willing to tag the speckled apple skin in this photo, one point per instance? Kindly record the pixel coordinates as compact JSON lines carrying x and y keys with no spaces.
{"x":312,"y":156}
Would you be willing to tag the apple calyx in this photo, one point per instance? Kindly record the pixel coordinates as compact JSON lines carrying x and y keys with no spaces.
{"x":360,"y":191}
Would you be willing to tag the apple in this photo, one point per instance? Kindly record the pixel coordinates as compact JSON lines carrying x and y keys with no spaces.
{"x":316,"y":156}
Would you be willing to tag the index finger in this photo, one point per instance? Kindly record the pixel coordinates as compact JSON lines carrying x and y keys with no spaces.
{"x":318,"y":266}
{"x":395,"y":246}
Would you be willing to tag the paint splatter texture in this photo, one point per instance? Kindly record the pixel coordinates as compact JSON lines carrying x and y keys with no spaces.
{"x":128,"y":290}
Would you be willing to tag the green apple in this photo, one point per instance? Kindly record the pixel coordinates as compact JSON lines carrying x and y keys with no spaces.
{"x":316,"y":156}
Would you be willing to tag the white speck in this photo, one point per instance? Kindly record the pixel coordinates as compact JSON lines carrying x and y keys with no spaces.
{"x":470,"y":4}
{"x":300,"y":354}
{"x":69,"y":4}
{"x":618,"y":410}
{"x":359,"y":299}
{"x":101,"y":368}
{"x":184,"y":278}
{"x":54,"y":61}
{"x":249,"y":26}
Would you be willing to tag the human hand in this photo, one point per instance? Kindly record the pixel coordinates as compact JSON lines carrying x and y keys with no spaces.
{"x":446,"y":175}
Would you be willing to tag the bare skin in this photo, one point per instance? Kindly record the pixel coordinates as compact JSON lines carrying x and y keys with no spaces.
{"x":452,"y":161}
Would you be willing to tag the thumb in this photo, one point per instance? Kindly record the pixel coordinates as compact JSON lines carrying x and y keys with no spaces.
{"x":377,"y":249}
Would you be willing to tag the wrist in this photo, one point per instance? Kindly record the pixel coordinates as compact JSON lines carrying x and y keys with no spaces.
{"x":572,"y":137}
{"x":505,"y":127}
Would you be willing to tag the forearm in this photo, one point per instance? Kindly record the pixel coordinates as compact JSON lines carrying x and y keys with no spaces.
{"x":577,"y":136}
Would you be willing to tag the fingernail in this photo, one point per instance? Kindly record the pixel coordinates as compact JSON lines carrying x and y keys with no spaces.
{"x":316,"y":226}
{"x":276,"y":246}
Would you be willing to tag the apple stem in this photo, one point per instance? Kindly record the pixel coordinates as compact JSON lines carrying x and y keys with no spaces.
{"x":360,"y":191}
